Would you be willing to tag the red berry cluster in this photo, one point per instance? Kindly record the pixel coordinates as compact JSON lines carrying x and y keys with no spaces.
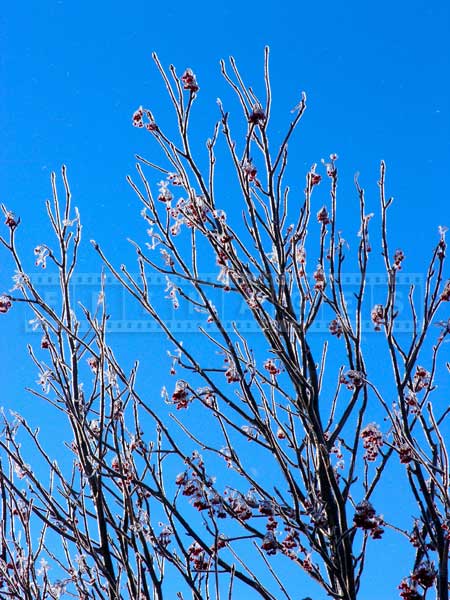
{"x":269,"y":543}
{"x":322,"y":216}
{"x":249,"y":170}
{"x":372,"y":441}
{"x":406,"y":453}
{"x":180,"y":396}
{"x":399,"y":257}
{"x":314,"y":178}
{"x":257,"y":114}
{"x":271,"y":367}
{"x":421,"y":380}
{"x":319,"y":278}
{"x":366,"y":518}
{"x":335,"y":328}
{"x":409,"y":591}
{"x":378,"y":316}
{"x":424,"y":574}
{"x":189,"y":81}
{"x":198,"y":557}
{"x":5,"y":304}
{"x":10,"y":219}
{"x":144,"y":118}
{"x":353,"y":379}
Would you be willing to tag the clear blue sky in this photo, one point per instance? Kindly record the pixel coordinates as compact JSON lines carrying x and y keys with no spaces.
{"x":72,"y":73}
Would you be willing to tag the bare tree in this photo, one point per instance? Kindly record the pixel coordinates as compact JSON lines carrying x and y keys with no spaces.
{"x":271,"y":455}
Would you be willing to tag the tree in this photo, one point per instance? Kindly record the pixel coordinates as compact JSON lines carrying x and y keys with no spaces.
{"x":126,"y":524}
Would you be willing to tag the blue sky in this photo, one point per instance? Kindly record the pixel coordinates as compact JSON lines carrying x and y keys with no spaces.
{"x":72,"y":73}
